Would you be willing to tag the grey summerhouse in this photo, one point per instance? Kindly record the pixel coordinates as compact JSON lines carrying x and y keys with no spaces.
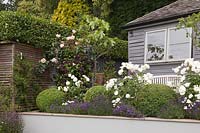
{"x":155,"y":40}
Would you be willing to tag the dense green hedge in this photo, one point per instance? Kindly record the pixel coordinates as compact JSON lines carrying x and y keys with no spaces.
{"x":29,"y":29}
{"x":119,"y":50}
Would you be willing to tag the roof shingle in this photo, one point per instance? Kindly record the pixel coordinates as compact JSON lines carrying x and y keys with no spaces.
{"x":176,"y":9}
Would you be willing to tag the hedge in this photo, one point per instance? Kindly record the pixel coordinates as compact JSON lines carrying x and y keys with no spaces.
{"x":41,"y":33}
{"x":28,"y":29}
{"x":118,"y":51}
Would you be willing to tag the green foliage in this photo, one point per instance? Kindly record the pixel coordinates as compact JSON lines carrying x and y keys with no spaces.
{"x":150,"y":99}
{"x":100,"y":8}
{"x":192,"y":21}
{"x":47,"y":5}
{"x":25,"y":82}
{"x":31,"y":7}
{"x":94,"y":92}
{"x":2,"y":5}
{"x":28,"y":29}
{"x":172,"y":110}
{"x":109,"y":70}
{"x":68,"y":57}
{"x":69,"y":12}
{"x":131,"y":87}
{"x":5,"y":98}
{"x":118,"y":51}
{"x":93,"y":32}
{"x":128,"y":10}
{"x":48,"y":97}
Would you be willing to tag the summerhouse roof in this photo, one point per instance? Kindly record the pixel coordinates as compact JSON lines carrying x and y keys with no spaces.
{"x":178,"y":9}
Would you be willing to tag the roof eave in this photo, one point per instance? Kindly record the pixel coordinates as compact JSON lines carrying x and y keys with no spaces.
{"x":137,"y":24}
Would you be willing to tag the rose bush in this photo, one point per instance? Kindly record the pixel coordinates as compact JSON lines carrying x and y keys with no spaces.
{"x":71,"y":64}
{"x":189,"y":87}
{"x":132,"y":78}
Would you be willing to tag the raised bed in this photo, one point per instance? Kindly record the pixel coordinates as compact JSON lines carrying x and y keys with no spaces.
{"x":63,"y":123}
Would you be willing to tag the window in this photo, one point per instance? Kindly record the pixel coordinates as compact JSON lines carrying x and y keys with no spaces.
{"x":168,"y":45}
{"x":156,"y":45}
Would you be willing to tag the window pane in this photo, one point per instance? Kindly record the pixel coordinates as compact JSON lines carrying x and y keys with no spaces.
{"x":179,"y":44}
{"x":179,"y":51}
{"x":155,"y":46}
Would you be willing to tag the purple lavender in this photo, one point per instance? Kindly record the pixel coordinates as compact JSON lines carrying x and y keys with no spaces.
{"x":73,"y":108}
{"x":194,"y":113}
{"x":10,"y":122}
{"x":126,"y":111}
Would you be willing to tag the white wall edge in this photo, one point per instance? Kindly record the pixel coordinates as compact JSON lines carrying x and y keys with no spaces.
{"x":111,"y":117}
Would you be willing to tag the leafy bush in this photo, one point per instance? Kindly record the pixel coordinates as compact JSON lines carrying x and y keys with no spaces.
{"x":189,"y":88}
{"x":68,"y":12}
{"x":132,"y":78}
{"x":29,"y":29}
{"x":118,"y":51}
{"x":68,"y":57}
{"x":48,"y":97}
{"x":109,"y":70}
{"x":172,"y":110}
{"x":150,"y":99}
{"x":5,"y":98}
{"x":10,"y":122}
{"x":25,"y":83}
{"x":94,"y":92}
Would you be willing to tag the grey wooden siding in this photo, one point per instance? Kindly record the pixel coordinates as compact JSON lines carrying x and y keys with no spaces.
{"x":136,"y":39}
{"x":6,"y":64}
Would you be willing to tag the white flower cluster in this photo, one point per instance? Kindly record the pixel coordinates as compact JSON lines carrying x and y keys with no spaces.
{"x":190,"y":91}
{"x":67,"y":103}
{"x":135,"y":71}
{"x":111,"y":83}
{"x":73,"y":82}
{"x":43,"y":60}
{"x":188,"y":65}
{"x":147,"y":78}
{"x":72,"y":37}
{"x":132,"y":68}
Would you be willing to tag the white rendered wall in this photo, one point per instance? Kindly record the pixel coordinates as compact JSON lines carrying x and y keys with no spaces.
{"x":83,"y":124}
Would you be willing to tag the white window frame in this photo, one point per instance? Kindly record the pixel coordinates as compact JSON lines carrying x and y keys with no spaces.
{"x":146,"y":47}
{"x":166,"y":51}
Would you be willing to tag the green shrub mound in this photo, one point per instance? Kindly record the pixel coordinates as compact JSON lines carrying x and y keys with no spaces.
{"x":28,"y":29}
{"x":94,"y":92}
{"x":49,"y":97}
{"x":151,"y":98}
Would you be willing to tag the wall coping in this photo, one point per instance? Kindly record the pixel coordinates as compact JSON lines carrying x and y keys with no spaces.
{"x":112,"y":117}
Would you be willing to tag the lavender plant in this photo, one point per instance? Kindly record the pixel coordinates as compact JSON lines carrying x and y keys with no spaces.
{"x":10,"y":122}
{"x":126,"y":111}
